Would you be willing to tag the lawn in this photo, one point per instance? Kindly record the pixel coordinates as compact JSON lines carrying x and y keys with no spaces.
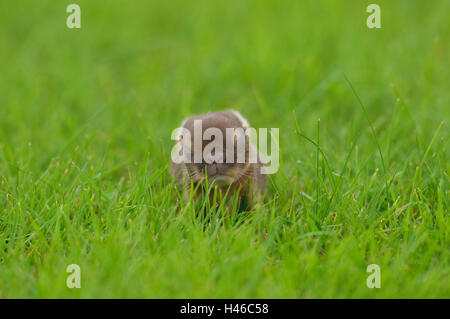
{"x":85,"y":122}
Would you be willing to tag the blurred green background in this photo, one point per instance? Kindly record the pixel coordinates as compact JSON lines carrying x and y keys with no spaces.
{"x":85,"y":122}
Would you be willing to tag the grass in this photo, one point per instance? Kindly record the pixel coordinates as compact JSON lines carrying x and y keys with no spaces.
{"x":85,"y":123}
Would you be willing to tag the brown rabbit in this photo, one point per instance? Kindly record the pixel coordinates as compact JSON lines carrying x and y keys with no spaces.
{"x":244,"y":178}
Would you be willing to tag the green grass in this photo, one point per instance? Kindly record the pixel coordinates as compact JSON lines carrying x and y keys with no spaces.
{"x":85,"y":123}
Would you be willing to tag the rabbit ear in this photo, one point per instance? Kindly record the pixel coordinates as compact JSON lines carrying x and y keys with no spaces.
{"x":244,"y":122}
